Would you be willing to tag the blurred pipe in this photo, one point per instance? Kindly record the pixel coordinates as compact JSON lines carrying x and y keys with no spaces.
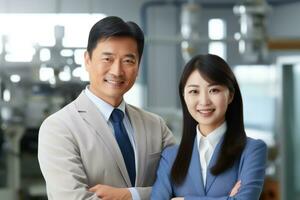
{"x":252,"y":35}
{"x":283,"y":44}
{"x":144,"y":24}
{"x":285,"y":2}
{"x":177,"y":4}
{"x":58,"y":6}
{"x":190,"y":29}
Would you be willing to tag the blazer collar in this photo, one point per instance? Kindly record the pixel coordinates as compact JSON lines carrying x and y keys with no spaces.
{"x":210,"y":178}
{"x":91,"y":114}
{"x":105,"y":108}
{"x":141,"y":142}
{"x":195,"y":169}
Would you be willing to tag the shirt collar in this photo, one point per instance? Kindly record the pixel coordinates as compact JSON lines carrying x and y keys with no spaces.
{"x":105,"y":108}
{"x":213,"y":137}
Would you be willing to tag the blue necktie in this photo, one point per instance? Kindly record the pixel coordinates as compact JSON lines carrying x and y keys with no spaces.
{"x":124,"y":143}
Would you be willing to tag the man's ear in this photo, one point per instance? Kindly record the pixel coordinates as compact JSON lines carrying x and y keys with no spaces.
{"x":87,"y":60}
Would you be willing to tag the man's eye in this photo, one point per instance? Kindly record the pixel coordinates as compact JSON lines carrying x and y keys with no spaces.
{"x":130,"y":61}
{"x":193,"y":92}
{"x":106,"y":59}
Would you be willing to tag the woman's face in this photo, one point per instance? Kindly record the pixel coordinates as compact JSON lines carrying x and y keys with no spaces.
{"x":207,"y":102}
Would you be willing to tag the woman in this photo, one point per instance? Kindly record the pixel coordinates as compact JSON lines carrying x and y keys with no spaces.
{"x":215,"y":160}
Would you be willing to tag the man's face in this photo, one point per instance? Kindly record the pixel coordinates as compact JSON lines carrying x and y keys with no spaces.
{"x":113,"y":68}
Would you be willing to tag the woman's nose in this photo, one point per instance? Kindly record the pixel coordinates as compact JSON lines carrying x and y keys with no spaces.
{"x":204,"y":99}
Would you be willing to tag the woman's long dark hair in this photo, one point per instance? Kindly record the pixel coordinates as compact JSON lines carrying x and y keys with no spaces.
{"x":213,"y":69}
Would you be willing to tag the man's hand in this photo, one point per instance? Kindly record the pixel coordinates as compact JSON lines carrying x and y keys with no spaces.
{"x":178,"y":198}
{"x":235,"y":189}
{"x":111,"y":193}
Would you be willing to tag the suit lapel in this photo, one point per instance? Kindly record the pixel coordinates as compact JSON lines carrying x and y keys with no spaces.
{"x":94,"y":118}
{"x":210,"y":178}
{"x":140,"y":140}
{"x":195,"y":170}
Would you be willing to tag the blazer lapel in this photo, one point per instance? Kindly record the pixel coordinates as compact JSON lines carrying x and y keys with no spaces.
{"x":210,"y":178}
{"x":140,"y":140}
{"x":94,"y":118}
{"x":195,"y":170}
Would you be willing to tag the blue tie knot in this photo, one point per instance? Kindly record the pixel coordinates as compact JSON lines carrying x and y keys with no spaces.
{"x":117,"y":115}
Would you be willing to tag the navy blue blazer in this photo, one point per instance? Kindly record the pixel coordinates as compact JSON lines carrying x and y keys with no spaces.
{"x":250,"y":169}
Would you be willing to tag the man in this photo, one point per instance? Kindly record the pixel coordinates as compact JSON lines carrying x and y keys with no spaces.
{"x":99,"y":147}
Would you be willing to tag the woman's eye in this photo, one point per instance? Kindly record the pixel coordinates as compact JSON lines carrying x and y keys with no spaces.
{"x":214,"y":90}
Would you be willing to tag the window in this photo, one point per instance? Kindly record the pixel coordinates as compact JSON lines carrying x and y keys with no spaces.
{"x":217,"y":32}
{"x":259,"y":88}
{"x":23,"y":31}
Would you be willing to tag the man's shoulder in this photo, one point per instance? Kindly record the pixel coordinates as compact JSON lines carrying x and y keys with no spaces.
{"x":62,"y":114}
{"x":142,"y":113}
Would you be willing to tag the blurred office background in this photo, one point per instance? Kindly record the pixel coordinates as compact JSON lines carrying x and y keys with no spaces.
{"x":41,"y":70}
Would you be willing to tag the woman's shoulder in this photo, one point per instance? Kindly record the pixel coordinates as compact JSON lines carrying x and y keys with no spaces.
{"x":254,"y":145}
{"x":251,"y":143}
{"x":170,"y":152}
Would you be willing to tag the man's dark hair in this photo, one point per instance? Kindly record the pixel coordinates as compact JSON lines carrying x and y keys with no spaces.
{"x":114,"y":26}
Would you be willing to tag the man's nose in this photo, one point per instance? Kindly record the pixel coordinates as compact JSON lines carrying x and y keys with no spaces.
{"x":116,"y":68}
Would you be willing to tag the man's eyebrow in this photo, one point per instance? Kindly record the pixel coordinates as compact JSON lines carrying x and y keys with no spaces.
{"x":106,"y":53}
{"x":131,"y":55}
{"x":192,"y":85}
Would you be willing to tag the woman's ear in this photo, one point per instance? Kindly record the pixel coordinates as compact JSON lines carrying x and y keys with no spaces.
{"x":231,"y":96}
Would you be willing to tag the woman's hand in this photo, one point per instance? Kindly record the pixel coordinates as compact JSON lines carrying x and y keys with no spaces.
{"x":233,"y":192}
{"x":235,"y":189}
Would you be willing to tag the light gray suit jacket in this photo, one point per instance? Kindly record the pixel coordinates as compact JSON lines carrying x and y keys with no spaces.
{"x":77,"y":150}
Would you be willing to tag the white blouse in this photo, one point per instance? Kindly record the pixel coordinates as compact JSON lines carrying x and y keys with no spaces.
{"x":207,"y":145}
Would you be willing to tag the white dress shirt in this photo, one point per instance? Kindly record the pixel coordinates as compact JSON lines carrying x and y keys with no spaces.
{"x":207,"y":145}
{"x":106,"y":110}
